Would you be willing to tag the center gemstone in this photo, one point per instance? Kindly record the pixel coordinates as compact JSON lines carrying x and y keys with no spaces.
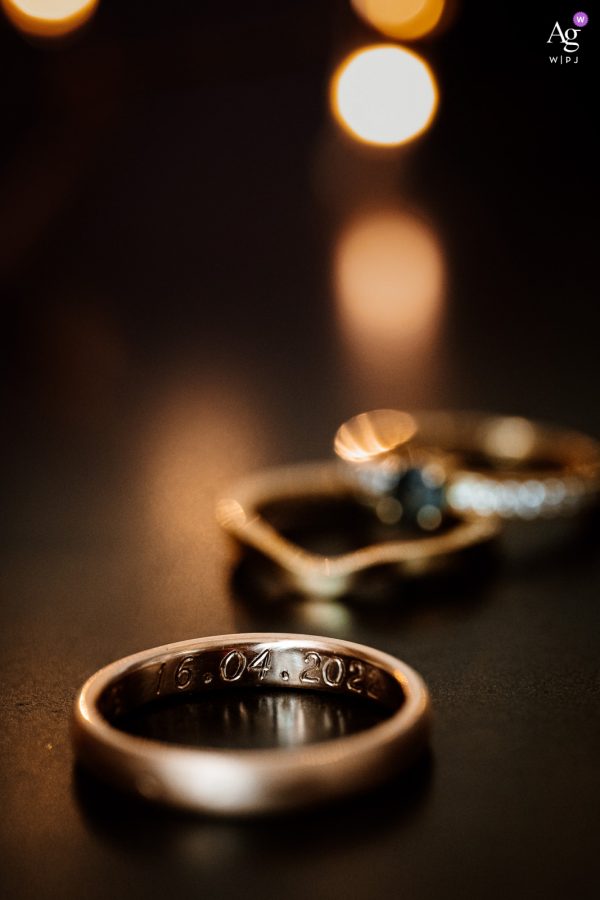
{"x":421,"y":497}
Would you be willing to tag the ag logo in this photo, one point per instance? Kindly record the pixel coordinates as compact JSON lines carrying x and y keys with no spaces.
{"x":568,"y":38}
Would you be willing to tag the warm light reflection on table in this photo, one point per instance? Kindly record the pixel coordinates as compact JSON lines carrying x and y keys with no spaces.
{"x":401,"y":19}
{"x":48,"y":18}
{"x":385,"y":95}
{"x":199,"y":437}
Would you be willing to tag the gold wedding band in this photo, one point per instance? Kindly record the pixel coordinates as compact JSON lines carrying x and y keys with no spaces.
{"x":246,"y":782}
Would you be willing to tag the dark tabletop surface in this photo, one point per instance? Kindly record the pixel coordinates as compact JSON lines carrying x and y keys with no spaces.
{"x":171,"y":197}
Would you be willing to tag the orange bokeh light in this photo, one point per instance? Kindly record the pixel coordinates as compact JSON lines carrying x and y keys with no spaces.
{"x":48,"y":18}
{"x":401,"y":19}
{"x":389,"y":277}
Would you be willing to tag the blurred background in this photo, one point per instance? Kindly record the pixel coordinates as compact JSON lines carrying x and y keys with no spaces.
{"x":226,"y":227}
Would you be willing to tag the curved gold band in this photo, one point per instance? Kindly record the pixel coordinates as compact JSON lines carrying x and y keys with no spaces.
{"x":240,"y":515}
{"x":245,"y":782}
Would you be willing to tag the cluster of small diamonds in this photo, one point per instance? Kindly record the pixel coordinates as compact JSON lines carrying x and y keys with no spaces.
{"x":524,"y":499}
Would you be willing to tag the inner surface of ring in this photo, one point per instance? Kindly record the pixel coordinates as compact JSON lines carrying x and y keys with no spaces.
{"x":247,"y":719}
{"x":331,"y":526}
{"x":251,"y":696}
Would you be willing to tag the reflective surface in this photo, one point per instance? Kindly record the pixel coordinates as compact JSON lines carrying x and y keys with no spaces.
{"x":369,"y":436}
{"x":251,"y":720}
{"x":171,"y":324}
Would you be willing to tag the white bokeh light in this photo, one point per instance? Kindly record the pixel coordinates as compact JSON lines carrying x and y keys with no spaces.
{"x":384,"y":95}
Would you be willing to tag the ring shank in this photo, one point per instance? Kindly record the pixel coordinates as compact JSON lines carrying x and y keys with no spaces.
{"x":250,"y":781}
